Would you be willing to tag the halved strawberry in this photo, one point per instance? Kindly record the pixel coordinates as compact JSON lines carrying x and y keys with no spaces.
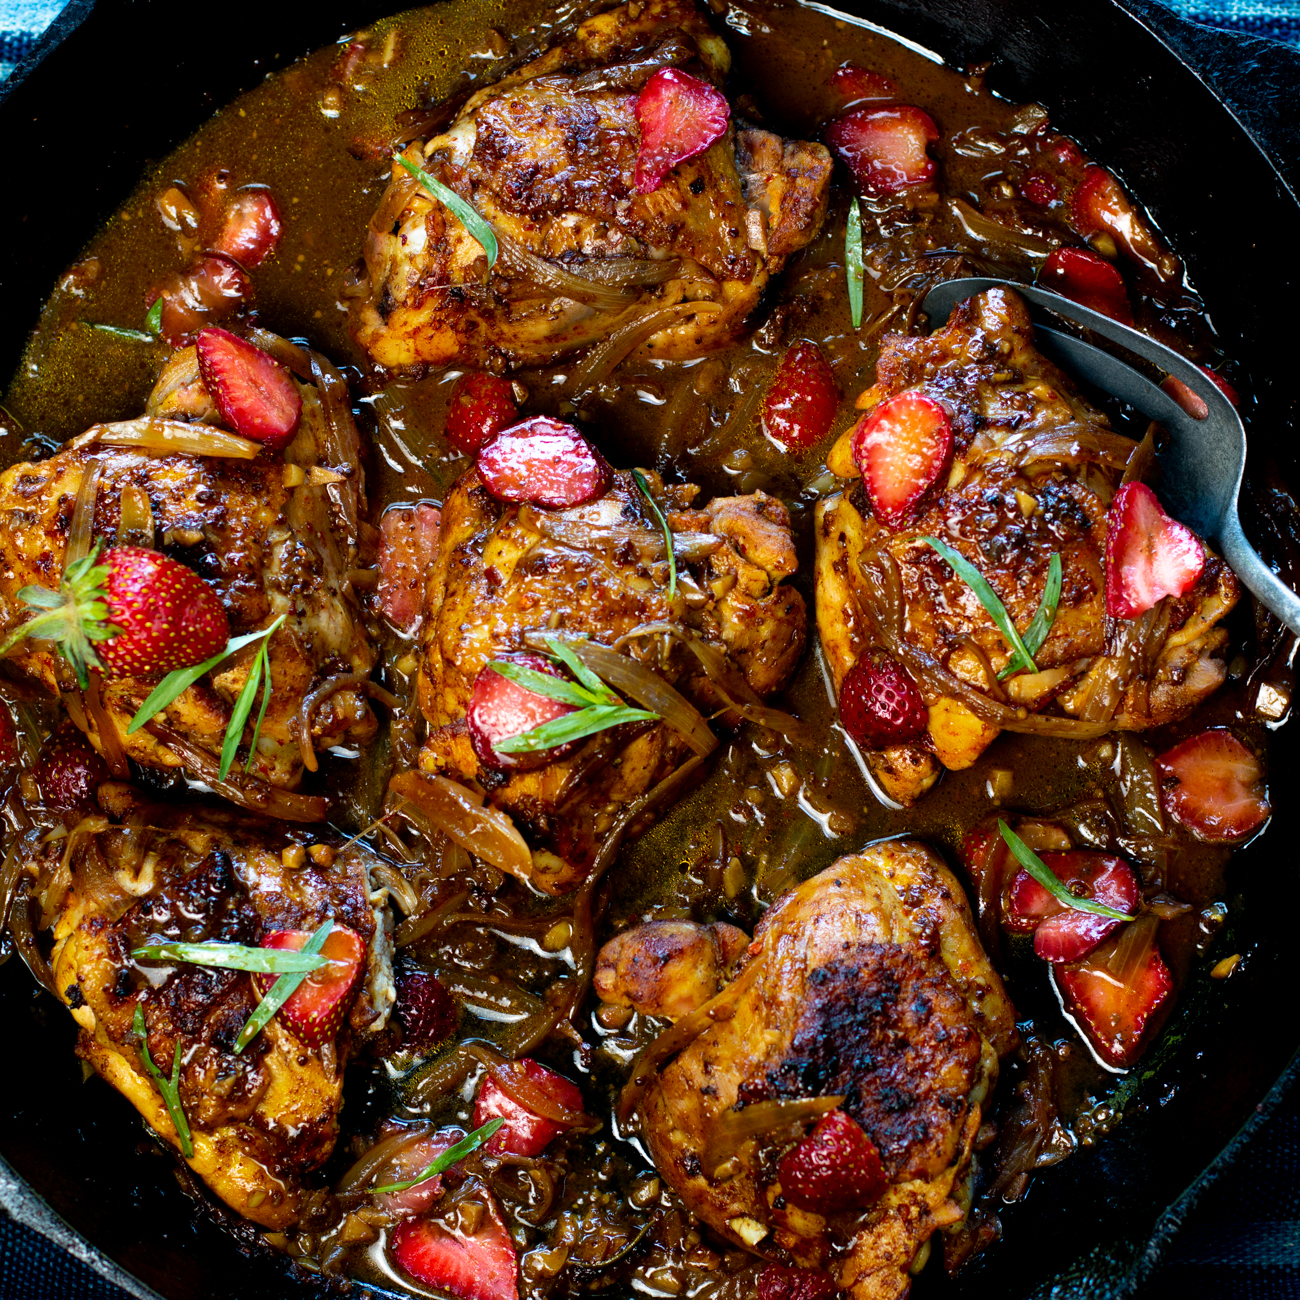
{"x":536,"y":1103}
{"x":855,"y":85}
{"x":425,"y":1008}
{"x":1115,"y":992}
{"x":880,"y":704}
{"x":902,"y":449}
{"x":134,"y":613}
{"x":679,"y":116}
{"x":802,"y":400}
{"x":1214,"y":786}
{"x":884,"y":148}
{"x":836,"y":1167}
{"x":213,"y":290}
{"x":250,"y":229}
{"x":413,"y":1160}
{"x":1080,"y":275}
{"x":1148,"y":555}
{"x":316,"y":1008}
{"x":256,"y":396}
{"x":1062,"y":933}
{"x":68,"y":771}
{"x":1100,"y":204}
{"x":543,"y":462}
{"x":500,"y":708}
{"x":777,"y":1282}
{"x":408,"y":543}
{"x":1040,"y":189}
{"x":478,"y":1267}
{"x":481,"y":406}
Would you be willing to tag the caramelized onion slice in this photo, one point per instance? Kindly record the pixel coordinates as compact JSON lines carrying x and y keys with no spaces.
{"x":733,"y":1128}
{"x":513,"y":1079}
{"x":169,"y":436}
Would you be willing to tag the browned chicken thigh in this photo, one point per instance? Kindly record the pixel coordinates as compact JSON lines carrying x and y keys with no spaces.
{"x":1033,"y":472}
{"x":547,"y":156}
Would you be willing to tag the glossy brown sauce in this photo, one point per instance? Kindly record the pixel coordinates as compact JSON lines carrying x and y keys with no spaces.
{"x":766,"y":817}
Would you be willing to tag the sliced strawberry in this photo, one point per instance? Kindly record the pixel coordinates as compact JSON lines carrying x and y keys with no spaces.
{"x":679,"y":116}
{"x":1148,"y":555}
{"x":1062,"y":933}
{"x":884,"y":148}
{"x":836,"y":1167}
{"x":250,"y":229}
{"x":425,"y":1008}
{"x":408,"y":543}
{"x":880,"y":704}
{"x":316,"y":1008}
{"x":1115,"y":992}
{"x":856,"y":85}
{"x":536,"y":1103}
{"x":413,"y":1160}
{"x":481,"y":406}
{"x":777,"y":1282}
{"x":478,"y":1267}
{"x":803,"y":398}
{"x":1100,"y":204}
{"x":213,"y":290}
{"x":902,"y":449}
{"x":500,"y":708}
{"x":1080,"y":275}
{"x":1214,"y":786}
{"x":256,"y":396}
{"x":1221,"y":384}
{"x":1040,"y":189}
{"x":9,"y":743}
{"x":543,"y":462}
{"x":68,"y":771}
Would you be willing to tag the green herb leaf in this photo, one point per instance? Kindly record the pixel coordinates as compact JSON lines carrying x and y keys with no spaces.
{"x":467,"y":1144}
{"x":168,"y":1089}
{"x":239,"y":716}
{"x":853,"y":262}
{"x":574,"y":726}
{"x":1049,"y":880}
{"x":183,"y":678}
{"x":234,"y":956}
{"x":1036,"y":634}
{"x":266,"y":699}
{"x":281,"y":991}
{"x":552,"y":688}
{"x":600,"y":692}
{"x":663,"y":524}
{"x":997,"y":611}
{"x":477,"y":228}
{"x":136,"y":336}
{"x":153,"y":321}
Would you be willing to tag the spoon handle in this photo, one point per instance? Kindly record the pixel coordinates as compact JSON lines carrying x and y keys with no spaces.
{"x":1246,"y":562}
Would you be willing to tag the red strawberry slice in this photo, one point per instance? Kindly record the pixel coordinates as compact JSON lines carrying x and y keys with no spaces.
{"x":213,"y":290}
{"x":856,"y":85}
{"x":902,"y":449}
{"x":836,"y":1167}
{"x":411,"y":1161}
{"x":1062,"y":933}
{"x":481,"y":406}
{"x":425,"y":1008}
{"x":68,"y":771}
{"x":543,"y":462}
{"x":885,"y":148}
{"x":316,"y":1008}
{"x":1040,"y":189}
{"x":880,"y":704}
{"x":1115,"y":992}
{"x":408,"y":543}
{"x":1080,"y":275}
{"x":500,"y":708}
{"x":1214,"y":786}
{"x":250,"y":229}
{"x":1100,"y":204}
{"x":777,"y":1282}
{"x":536,"y":1103}
{"x":256,"y":396}
{"x":679,"y":116}
{"x":1148,"y":555}
{"x":803,"y":398}
{"x":478,"y":1267}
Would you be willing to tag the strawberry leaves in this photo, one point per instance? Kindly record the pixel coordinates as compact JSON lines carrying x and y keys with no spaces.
{"x":168,"y":1089}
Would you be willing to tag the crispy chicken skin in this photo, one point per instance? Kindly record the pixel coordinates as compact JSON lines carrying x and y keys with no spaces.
{"x":547,"y":156}
{"x":267,"y":548}
{"x":504,"y":573}
{"x":867,"y":982}
{"x":667,"y":968}
{"x":1033,"y":473}
{"x":260,"y":1120}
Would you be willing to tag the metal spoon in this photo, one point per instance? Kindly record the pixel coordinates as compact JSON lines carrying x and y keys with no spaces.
{"x":1203,"y":463}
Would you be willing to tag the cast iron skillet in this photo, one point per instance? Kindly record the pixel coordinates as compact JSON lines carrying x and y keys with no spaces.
{"x":136,"y":77}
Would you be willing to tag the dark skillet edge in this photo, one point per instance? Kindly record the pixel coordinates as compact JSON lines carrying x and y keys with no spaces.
{"x":55,"y":34}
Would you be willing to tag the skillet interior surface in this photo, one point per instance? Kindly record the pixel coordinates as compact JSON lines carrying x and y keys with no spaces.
{"x":129,"y":84}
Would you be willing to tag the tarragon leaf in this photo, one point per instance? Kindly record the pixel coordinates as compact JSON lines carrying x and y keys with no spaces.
{"x":473,"y":222}
{"x":1049,"y":880}
{"x":601,"y":694}
{"x":573,"y":726}
{"x":464,"y":1147}
{"x":663,"y":524}
{"x":853,"y":262}
{"x":261,"y":715}
{"x":118,"y":331}
{"x":239,"y":716}
{"x":168,"y":1089}
{"x":552,"y":688}
{"x":1036,"y":633}
{"x":153,"y":321}
{"x":234,"y":956}
{"x":280,"y":992}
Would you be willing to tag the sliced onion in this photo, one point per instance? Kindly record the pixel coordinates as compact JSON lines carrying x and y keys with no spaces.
{"x":1074,"y":442}
{"x":381,"y":1156}
{"x":624,"y":272}
{"x":1123,"y":957}
{"x":81,"y":530}
{"x":733,"y":1128}
{"x":319,"y":694}
{"x":399,"y":888}
{"x":556,"y":278}
{"x":170,"y":436}
{"x":987,"y":231}
{"x":649,"y":544}
{"x":418,"y":924}
{"x":1139,"y":788}
{"x":288,"y":354}
{"x":110,"y":739}
{"x":513,"y":1079}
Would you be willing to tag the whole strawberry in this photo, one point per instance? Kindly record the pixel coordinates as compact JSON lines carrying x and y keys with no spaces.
{"x":138,"y":613}
{"x":836,"y":1167}
{"x":880,"y":704}
{"x":68,"y":771}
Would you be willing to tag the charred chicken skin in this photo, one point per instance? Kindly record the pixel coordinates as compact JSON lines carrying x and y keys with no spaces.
{"x":507,"y":575}
{"x":262,"y":1118}
{"x":274,"y":535}
{"x":1033,"y":471}
{"x":865,"y":990}
{"x":548,"y":157}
